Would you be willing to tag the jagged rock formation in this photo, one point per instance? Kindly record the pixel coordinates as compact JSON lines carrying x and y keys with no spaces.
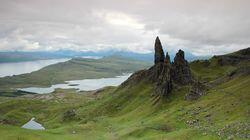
{"x":163,"y":73}
{"x":181,"y":73}
{"x":164,"y":84}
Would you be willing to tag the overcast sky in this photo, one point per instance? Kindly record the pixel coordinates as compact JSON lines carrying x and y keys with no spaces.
{"x":203,"y":27}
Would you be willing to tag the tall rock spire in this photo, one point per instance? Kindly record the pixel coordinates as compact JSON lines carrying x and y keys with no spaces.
{"x":167,"y":59}
{"x":159,"y":53}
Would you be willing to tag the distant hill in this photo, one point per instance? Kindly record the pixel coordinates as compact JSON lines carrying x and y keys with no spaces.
{"x":74,"y":69}
{"x":27,"y":56}
{"x":18,"y":56}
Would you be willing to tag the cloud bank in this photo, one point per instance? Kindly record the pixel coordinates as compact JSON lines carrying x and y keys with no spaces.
{"x":199,"y":26}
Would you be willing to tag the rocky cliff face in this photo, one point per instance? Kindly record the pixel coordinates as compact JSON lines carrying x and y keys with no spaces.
{"x":163,"y":73}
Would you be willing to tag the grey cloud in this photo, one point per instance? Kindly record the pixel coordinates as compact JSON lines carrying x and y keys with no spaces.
{"x":199,"y":26}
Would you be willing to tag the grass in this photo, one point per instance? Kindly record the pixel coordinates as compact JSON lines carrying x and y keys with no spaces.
{"x":129,"y":112}
{"x":208,"y":70}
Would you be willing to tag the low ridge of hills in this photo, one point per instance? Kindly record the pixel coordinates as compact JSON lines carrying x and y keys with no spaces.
{"x":20,"y":56}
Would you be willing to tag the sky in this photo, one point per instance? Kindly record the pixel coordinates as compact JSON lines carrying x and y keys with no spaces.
{"x":202,"y":27}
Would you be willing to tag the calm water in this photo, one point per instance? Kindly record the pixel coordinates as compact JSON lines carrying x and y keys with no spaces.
{"x":32,"y":124}
{"x":80,"y":85}
{"x":9,"y":69}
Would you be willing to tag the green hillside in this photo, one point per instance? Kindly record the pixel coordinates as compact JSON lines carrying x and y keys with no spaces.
{"x":130,"y":112}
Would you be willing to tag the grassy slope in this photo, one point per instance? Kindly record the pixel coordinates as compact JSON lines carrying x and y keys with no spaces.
{"x":129,"y":112}
{"x":74,"y":69}
{"x":209,"y":70}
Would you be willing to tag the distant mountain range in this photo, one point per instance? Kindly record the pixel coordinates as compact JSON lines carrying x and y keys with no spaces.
{"x":17,"y":56}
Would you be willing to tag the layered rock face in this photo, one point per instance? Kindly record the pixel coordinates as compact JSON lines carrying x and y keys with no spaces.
{"x":164,"y":73}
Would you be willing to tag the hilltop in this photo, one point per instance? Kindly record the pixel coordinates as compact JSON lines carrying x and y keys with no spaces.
{"x":205,"y":99}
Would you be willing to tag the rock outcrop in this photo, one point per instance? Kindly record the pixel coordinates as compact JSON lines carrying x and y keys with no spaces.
{"x":160,"y":72}
{"x":181,"y":73}
{"x":163,"y":73}
{"x":196,"y":91}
